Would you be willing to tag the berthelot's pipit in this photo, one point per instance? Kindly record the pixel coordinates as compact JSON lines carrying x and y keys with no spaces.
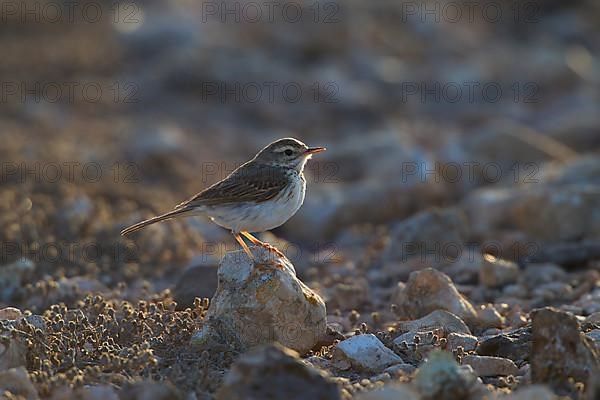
{"x":260,"y":195}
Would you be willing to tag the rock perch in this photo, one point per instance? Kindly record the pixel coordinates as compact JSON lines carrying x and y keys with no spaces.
{"x":261,"y":303}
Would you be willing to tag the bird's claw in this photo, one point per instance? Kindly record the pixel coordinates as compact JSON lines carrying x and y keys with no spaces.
{"x":273,"y":249}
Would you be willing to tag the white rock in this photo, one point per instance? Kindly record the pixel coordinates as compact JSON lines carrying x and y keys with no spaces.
{"x":366,"y":352}
{"x":256,"y":304}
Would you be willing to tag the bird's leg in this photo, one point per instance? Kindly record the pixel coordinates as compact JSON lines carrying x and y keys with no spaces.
{"x":244,"y":246}
{"x":267,"y":246}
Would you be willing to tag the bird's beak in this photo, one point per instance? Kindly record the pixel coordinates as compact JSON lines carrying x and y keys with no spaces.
{"x":314,"y":150}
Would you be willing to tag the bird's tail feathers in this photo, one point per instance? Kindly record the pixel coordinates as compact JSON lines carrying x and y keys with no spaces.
{"x":179,"y":212}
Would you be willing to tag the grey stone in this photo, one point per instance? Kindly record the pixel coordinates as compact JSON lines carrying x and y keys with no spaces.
{"x":431,"y":235}
{"x":429,"y":290}
{"x":444,"y":320}
{"x":256,"y":304}
{"x":490,"y":366}
{"x":467,"y":342}
{"x":533,"y":392}
{"x":365,"y":352}
{"x":199,"y":280}
{"x":390,"y":392}
{"x":275,"y":372}
{"x":440,"y":377}
{"x":17,"y":382}
{"x":489,"y":317}
{"x":496,"y":272}
{"x":515,"y":345}
{"x":13,"y":275}
{"x":560,"y":351}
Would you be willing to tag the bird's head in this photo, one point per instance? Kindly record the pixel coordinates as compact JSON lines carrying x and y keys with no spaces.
{"x":287,"y":152}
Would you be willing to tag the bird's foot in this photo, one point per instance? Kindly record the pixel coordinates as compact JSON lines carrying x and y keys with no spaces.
{"x":262,"y":244}
{"x":272,"y":249}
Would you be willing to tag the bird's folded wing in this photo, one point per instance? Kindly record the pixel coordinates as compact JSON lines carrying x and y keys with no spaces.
{"x":246,"y":184}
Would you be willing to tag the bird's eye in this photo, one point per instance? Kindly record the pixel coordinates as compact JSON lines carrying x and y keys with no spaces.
{"x":288,"y":152}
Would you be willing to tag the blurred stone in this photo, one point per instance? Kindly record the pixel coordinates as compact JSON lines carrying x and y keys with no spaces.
{"x":533,"y":392}
{"x":350,"y":295}
{"x":12,"y":277}
{"x":153,"y":141}
{"x":543,"y":212}
{"x":494,"y":153}
{"x":198,"y":280}
{"x":580,"y":170}
{"x":66,"y":290}
{"x":516,"y":318}
{"x":594,"y":334}
{"x":97,"y":393}
{"x":409,"y":337}
{"x":389,"y":392}
{"x":13,"y":349}
{"x":537,"y":274}
{"x":496,"y":272}
{"x":515,"y":345}
{"x":435,"y":235}
{"x":466,"y":268}
{"x":17,"y":382}
{"x":400,"y":370}
{"x":10,"y":313}
{"x":260,"y":303}
{"x":275,"y":372}
{"x":13,"y":353}
{"x":489,"y":317}
{"x":467,"y":342}
{"x":589,"y":302}
{"x":148,"y":390}
{"x":441,"y":319}
{"x":429,"y":290}
{"x":77,"y":212}
{"x":490,"y":366}
{"x":348,"y":182}
{"x":440,"y":377}
{"x":317,"y":362}
{"x":593,"y":318}
{"x":549,"y":292}
{"x":560,"y":351}
{"x":365,"y":352}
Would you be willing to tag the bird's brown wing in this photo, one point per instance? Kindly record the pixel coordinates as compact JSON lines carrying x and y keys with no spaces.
{"x":249,"y":183}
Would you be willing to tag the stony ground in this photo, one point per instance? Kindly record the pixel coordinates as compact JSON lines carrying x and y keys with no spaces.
{"x":455,"y":244}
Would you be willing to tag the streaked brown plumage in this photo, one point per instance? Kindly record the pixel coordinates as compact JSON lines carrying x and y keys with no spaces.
{"x":260,"y":195}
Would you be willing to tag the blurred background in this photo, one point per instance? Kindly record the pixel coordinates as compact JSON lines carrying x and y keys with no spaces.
{"x":114,"y":111}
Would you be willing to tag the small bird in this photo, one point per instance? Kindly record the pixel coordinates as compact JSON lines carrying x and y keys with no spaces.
{"x":258,"y":196}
